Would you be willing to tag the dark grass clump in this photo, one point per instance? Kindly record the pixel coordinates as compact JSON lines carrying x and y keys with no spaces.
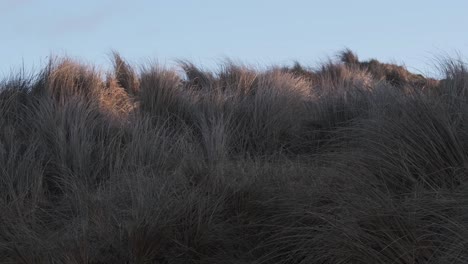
{"x":350,"y":162}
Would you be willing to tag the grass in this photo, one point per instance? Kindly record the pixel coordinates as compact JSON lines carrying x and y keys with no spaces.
{"x":351,"y":162}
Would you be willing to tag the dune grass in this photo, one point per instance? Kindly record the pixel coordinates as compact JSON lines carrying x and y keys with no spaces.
{"x":350,"y":162}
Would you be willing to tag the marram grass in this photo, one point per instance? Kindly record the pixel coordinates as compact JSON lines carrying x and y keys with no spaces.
{"x":350,"y":162}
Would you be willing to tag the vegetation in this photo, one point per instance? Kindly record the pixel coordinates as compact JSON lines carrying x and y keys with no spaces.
{"x":352,"y":162}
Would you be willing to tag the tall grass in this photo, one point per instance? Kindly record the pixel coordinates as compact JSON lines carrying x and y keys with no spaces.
{"x":349,"y":162}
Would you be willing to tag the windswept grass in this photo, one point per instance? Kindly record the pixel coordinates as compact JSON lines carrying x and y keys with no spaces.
{"x":350,"y":162}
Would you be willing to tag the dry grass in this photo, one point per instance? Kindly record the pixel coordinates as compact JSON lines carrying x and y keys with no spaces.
{"x":353,"y":162}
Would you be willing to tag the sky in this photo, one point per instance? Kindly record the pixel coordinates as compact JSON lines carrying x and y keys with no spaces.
{"x":255,"y":32}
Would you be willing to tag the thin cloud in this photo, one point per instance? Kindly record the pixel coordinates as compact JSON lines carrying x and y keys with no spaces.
{"x":84,"y":23}
{"x":77,"y":24}
{"x":15,"y":2}
{"x":7,"y":6}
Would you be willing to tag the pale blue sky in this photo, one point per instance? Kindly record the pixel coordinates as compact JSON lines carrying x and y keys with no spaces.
{"x":206,"y":31}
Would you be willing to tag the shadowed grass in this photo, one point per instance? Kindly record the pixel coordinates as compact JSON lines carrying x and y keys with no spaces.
{"x":353,"y":162}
